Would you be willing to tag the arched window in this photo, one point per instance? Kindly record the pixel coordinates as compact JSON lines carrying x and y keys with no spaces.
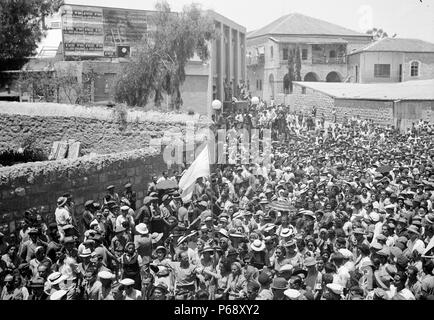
{"x":332,"y":54}
{"x":414,"y":69}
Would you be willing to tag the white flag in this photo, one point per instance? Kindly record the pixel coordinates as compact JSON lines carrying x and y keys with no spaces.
{"x":199,"y":168}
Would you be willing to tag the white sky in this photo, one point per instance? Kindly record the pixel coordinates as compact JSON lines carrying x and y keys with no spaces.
{"x":406,"y":18}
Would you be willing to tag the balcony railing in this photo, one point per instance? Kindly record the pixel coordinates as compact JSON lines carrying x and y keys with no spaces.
{"x":256,"y":60}
{"x":327,"y":60}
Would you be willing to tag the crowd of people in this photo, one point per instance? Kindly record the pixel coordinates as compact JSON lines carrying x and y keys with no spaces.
{"x":342,"y":211}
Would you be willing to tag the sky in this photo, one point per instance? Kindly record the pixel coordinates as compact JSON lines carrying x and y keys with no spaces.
{"x":406,"y":18}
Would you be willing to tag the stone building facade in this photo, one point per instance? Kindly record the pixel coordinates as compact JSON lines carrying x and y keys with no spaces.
{"x":323,"y":48}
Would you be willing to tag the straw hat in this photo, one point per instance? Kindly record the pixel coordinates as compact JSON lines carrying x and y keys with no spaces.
{"x":127,"y":282}
{"x":142,"y":229}
{"x":257,"y":245}
{"x":156,"y":237}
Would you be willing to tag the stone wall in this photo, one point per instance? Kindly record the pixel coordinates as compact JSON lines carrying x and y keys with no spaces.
{"x":380,"y":112}
{"x":39,"y":184}
{"x":99,"y":129}
{"x":304,"y":102}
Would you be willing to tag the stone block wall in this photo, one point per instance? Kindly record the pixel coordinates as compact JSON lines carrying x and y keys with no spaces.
{"x":39,"y":184}
{"x":304,"y":102}
{"x":100,"y":130}
{"x":381,"y":112}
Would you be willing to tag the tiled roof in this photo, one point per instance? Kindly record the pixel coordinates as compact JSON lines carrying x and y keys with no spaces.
{"x":308,"y":40}
{"x":299,"y":24}
{"x":398,"y":45}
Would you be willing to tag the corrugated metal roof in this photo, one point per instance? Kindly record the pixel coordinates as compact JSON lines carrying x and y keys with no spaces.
{"x":409,"y":90}
{"x":398,"y":45}
{"x":296,"y":23}
{"x":308,"y":40}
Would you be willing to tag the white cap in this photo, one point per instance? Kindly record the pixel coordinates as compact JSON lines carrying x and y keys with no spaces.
{"x":106,"y":275}
{"x":292,"y":294}
{"x":127,"y":282}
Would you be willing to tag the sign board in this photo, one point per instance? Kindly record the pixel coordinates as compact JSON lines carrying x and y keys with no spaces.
{"x":95,"y":31}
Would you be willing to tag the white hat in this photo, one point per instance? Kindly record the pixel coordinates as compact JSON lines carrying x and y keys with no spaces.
{"x":141,"y":228}
{"x":257,"y":245}
{"x":335,"y":288}
{"x":85,"y":253}
{"x":182,"y":239}
{"x":286,"y":232}
{"x":125,"y":208}
{"x":127,"y":282}
{"x":94,"y":223}
{"x":58,"y":295}
{"x":224,"y":232}
{"x":106,"y":275}
{"x":56,"y":278}
{"x":286,"y":267}
{"x":346,"y":253}
{"x":292,"y":294}
{"x":156,"y":237}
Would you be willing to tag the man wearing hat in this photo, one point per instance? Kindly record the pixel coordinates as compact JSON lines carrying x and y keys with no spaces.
{"x":334,"y":291}
{"x":127,"y":290}
{"x":62,"y":215}
{"x":125,"y":219}
{"x":111,"y":195}
{"x":414,"y":243}
{"x":54,"y":281}
{"x":143,"y":243}
{"x":119,"y":241}
{"x":265,"y":292}
{"x":88,"y":214}
{"x":130,"y":195}
{"x":278,"y":287}
{"x":106,"y":279}
{"x":28,"y":248}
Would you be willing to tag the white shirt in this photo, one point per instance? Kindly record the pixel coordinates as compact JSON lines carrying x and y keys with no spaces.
{"x":342,"y":276}
{"x":417,"y":245}
{"x":62,"y":216}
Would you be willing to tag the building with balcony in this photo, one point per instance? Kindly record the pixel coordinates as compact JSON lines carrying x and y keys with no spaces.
{"x":392,"y":60}
{"x":323,"y":48}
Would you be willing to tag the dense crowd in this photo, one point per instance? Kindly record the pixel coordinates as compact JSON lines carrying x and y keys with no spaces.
{"x":342,"y":211}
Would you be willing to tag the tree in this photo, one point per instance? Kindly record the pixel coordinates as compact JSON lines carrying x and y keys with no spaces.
{"x":297,"y":64}
{"x":159,"y":66}
{"x":21,"y":29}
{"x":53,"y":84}
{"x":294,"y":69}
{"x":378,"y":33}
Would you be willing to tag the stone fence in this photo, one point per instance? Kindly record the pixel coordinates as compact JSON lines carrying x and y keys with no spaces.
{"x":39,"y":184}
{"x":99,"y":129}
